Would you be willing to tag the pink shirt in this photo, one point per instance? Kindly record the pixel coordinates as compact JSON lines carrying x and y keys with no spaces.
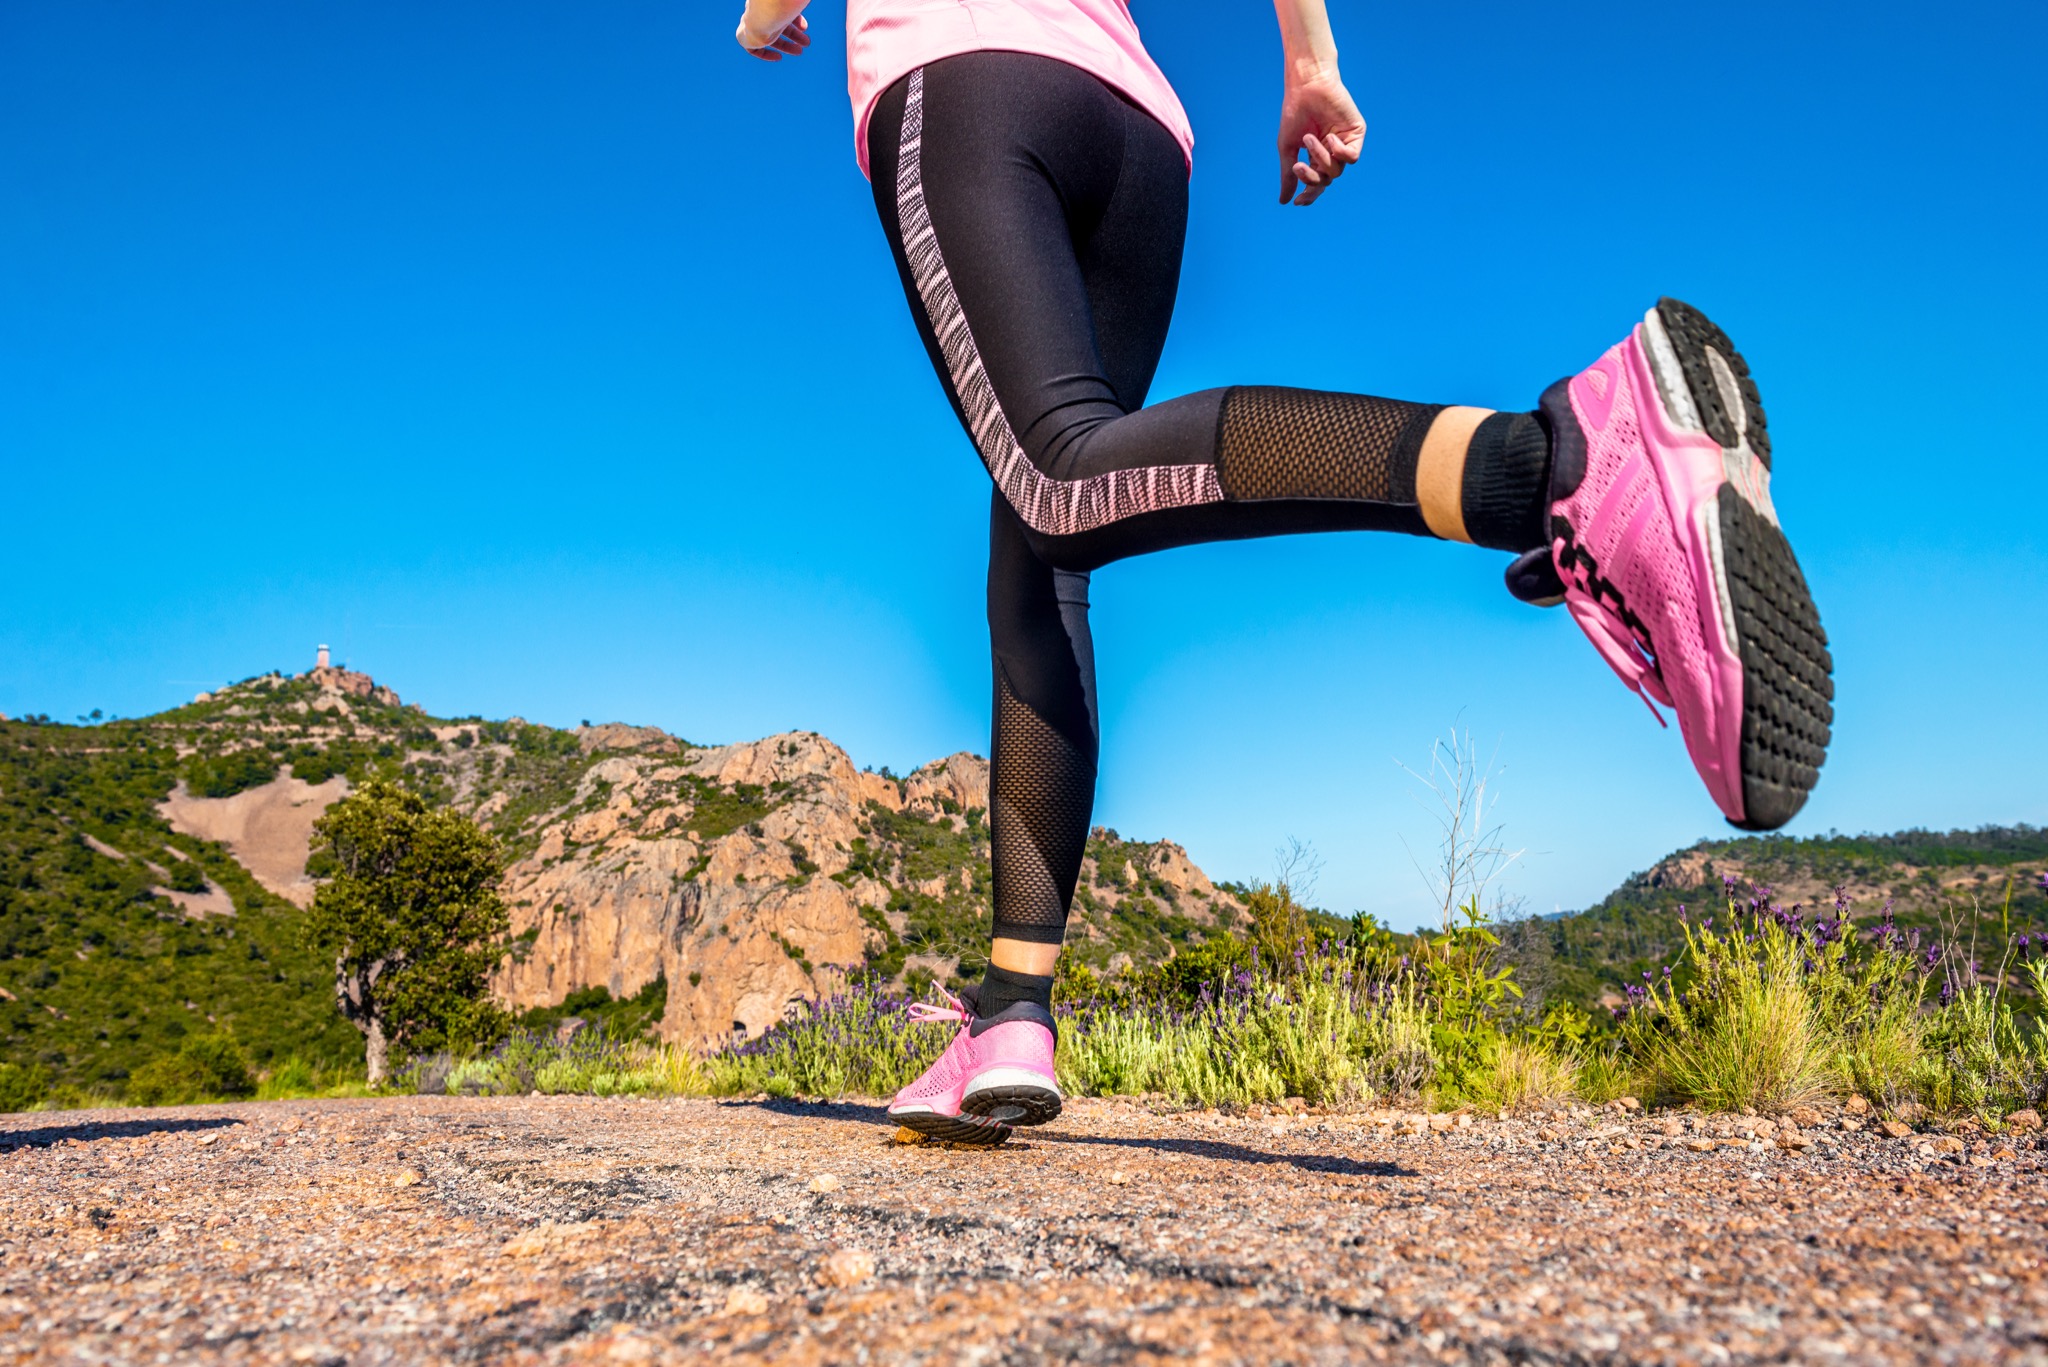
{"x":888,"y":39}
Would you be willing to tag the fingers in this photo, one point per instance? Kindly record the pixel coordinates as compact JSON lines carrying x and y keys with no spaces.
{"x":791,"y":42}
{"x":1323,"y":160}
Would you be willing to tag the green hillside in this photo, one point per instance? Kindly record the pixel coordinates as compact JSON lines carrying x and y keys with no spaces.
{"x":1955,"y":882}
{"x":102,"y":970}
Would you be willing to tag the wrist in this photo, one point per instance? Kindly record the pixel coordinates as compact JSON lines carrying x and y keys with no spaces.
{"x":1312,"y":68}
{"x":761,"y":22}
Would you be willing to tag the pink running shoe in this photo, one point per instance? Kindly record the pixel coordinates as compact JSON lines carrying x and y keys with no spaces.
{"x":996,"y":1073}
{"x":1674,"y":565}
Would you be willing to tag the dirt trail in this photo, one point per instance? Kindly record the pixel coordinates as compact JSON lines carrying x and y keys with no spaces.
{"x":558,"y":1230}
{"x":268,"y":829}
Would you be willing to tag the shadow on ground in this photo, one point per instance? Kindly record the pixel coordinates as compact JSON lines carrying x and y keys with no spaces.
{"x":1222,"y":1151}
{"x":44,"y":1136}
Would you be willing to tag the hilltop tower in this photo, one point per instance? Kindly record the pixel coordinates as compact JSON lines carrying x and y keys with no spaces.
{"x":320,"y":660}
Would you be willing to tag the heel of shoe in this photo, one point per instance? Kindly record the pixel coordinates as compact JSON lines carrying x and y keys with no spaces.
{"x":1704,"y":380}
{"x":1013,"y":1096}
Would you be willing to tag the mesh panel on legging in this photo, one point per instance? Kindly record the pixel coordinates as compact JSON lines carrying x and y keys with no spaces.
{"x":1041,"y":792}
{"x":1303,"y":443}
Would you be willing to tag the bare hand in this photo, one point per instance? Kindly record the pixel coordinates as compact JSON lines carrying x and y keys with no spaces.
{"x":789,"y":41}
{"x":1321,"y":133}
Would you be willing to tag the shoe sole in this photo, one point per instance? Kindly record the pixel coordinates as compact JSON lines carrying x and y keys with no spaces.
{"x":1012,"y":1096}
{"x":968,"y":1131}
{"x":1767,"y":612}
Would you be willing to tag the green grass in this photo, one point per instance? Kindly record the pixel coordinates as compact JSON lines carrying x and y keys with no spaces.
{"x":1766,"y":1009}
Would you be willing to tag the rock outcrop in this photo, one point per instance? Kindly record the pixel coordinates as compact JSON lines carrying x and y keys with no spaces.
{"x":753,"y":879}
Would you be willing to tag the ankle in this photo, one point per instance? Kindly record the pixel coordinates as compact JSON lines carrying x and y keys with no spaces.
{"x":1505,"y":497}
{"x":1002,"y":989}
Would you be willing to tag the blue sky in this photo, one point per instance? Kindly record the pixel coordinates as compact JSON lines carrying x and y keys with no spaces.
{"x":546,"y":359}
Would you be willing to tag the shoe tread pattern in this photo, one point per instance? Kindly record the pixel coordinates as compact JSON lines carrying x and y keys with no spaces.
{"x":1787,"y":688}
{"x":1691,"y":333}
{"x":965,"y":1130}
{"x":1037,"y":1104}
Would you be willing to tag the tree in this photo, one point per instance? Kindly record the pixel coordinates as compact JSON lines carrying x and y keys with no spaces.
{"x":413,"y":919}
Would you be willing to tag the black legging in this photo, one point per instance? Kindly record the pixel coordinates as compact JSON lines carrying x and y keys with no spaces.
{"x":1037,"y":218}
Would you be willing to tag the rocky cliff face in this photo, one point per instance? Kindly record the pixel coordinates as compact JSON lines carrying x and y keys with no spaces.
{"x":756,"y":877}
{"x":751,"y":877}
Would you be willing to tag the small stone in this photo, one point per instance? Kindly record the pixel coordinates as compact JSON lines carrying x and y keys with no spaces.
{"x":1673,"y":1125}
{"x":1119,"y":1178}
{"x":1441,"y":1122}
{"x":1897,"y":1130}
{"x":745,"y":1300}
{"x":823,"y":1183}
{"x":905,"y":1135}
{"x":1629,"y":1103}
{"x":2003,"y":1155}
{"x":1806,"y":1117}
{"x":1857,"y":1105}
{"x":625,"y":1346}
{"x":2024,"y":1122}
{"x":1948,"y":1143}
{"x":406,"y":1177}
{"x":1700,"y":1145}
{"x":207,"y":1141}
{"x":1793,"y":1139}
{"x":1850,"y":1123}
{"x":531,"y":1244}
{"x":848,"y":1267}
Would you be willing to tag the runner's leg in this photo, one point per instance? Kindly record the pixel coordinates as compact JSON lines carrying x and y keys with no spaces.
{"x":997,"y":176}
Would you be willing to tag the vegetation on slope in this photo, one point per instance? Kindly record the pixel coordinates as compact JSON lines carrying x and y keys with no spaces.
{"x":1933,"y":880}
{"x":100,"y":970}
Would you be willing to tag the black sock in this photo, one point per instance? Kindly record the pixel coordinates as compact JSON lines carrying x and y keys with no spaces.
{"x":1002,"y":989}
{"x":1506,"y":498}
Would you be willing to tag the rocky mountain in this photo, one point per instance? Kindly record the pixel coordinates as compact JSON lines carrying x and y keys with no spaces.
{"x":137,"y":858}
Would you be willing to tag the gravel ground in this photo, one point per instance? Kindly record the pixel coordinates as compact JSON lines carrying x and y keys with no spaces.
{"x":567,"y":1229}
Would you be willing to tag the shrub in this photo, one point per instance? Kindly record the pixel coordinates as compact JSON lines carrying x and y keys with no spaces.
{"x":1521,"y":1074}
{"x":228,"y":774}
{"x":205,"y":1068}
{"x":23,"y":1086}
{"x":596,"y":1062}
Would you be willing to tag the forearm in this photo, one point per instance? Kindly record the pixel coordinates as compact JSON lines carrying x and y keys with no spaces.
{"x":766,"y":18}
{"x":1305,"y":38}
